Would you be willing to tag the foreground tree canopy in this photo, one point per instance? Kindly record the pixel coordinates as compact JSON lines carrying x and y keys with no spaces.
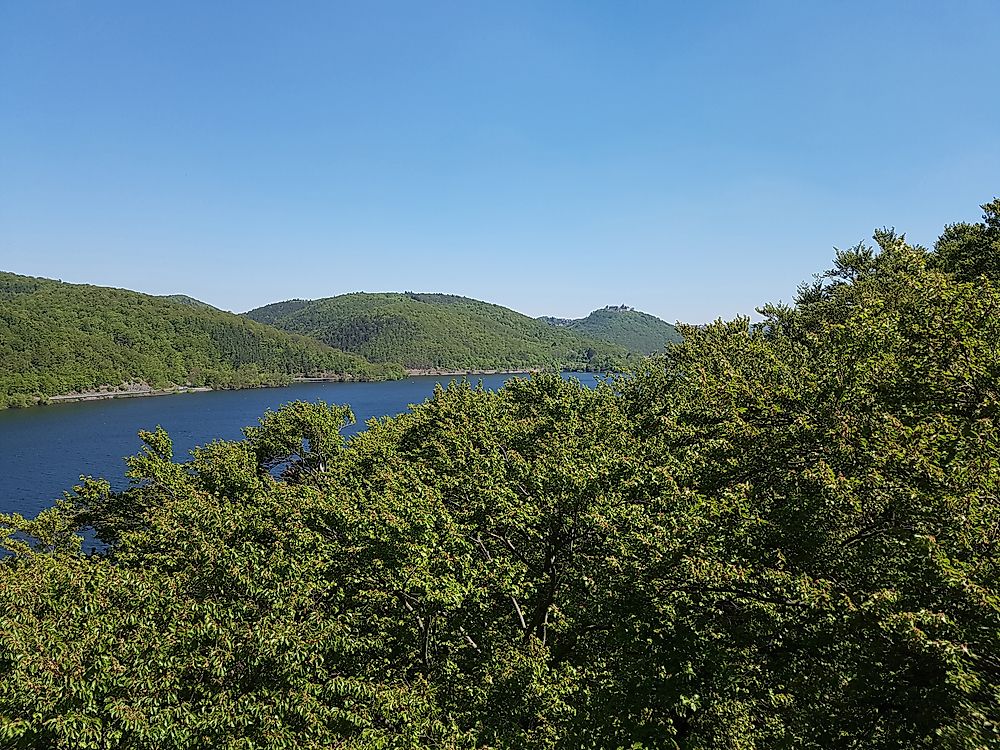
{"x":780,"y":534}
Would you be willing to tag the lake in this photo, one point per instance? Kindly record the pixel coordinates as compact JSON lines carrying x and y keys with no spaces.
{"x":44,"y":450}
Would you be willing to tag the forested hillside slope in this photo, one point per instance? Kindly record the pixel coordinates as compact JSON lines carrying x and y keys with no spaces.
{"x":186,"y":300}
{"x":439,"y":331}
{"x":57,"y":338}
{"x":638,"y":332}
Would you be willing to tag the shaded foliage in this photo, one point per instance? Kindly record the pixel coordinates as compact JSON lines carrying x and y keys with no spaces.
{"x":972,"y":250}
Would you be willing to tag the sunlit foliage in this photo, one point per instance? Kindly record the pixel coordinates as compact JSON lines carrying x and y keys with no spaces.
{"x":440,"y":331}
{"x":775,"y":534}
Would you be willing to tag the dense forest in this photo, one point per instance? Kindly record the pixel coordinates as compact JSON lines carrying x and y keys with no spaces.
{"x":638,"y":332}
{"x":58,"y":338}
{"x":781,"y":534}
{"x":186,"y":300}
{"x":440,"y":331}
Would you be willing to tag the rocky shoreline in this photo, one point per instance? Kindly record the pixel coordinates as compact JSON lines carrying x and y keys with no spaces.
{"x":425,"y":372}
{"x":133,"y":391}
{"x":139,"y":390}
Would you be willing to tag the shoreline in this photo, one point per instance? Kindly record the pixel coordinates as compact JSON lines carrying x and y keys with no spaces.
{"x":142,"y":392}
{"x":432,"y":372}
{"x":69,"y":398}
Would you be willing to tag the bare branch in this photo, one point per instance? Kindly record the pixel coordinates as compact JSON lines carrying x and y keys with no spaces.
{"x":427,"y":641}
{"x":410,"y":609}
{"x":509,"y":545}
{"x":520,"y":614}
{"x":486,"y":552}
{"x":468,"y":639}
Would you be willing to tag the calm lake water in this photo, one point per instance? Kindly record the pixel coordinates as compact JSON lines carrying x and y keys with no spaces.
{"x":44,"y":450}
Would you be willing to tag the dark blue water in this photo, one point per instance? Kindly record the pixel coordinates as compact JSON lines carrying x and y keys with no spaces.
{"x":44,"y":450}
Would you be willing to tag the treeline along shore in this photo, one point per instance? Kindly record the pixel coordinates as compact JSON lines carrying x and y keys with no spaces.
{"x":65,"y":342}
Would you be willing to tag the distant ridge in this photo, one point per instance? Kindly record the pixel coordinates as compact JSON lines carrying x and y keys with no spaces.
{"x":183,"y":299}
{"x":439,"y":332}
{"x":638,"y":332}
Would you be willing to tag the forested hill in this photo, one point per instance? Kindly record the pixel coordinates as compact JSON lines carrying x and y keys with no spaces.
{"x":439,"y":331}
{"x":636,"y":331}
{"x":57,"y":338}
{"x":183,"y":299}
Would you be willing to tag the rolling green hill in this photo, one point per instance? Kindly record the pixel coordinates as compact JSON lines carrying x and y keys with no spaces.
{"x":58,"y":338}
{"x":439,"y":331}
{"x":183,"y":299}
{"x":638,"y":332}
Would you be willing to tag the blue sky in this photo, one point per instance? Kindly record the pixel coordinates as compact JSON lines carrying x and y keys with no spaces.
{"x":693,"y":160}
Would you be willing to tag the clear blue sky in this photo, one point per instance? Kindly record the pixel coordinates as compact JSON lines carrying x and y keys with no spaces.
{"x":692,"y":159}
